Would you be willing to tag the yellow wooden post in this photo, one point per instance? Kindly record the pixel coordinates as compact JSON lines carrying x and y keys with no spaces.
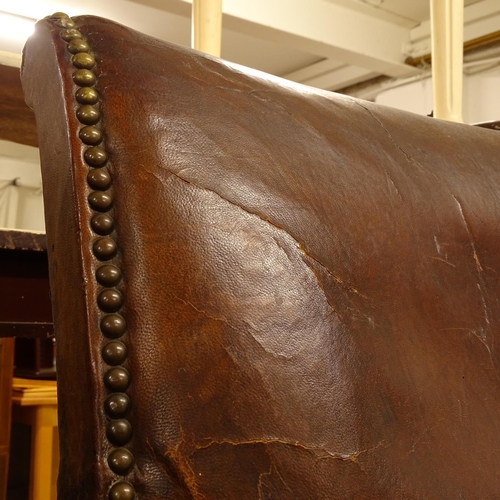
{"x":447,"y":21}
{"x":207,"y":26}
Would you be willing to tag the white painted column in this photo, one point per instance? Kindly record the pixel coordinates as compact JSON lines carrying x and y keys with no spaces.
{"x":206,"y":27}
{"x":447,"y":22}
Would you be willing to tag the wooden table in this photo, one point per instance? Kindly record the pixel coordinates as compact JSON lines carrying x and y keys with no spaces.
{"x":25,"y":309}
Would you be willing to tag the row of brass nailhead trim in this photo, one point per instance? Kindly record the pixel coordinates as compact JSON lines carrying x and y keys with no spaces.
{"x":109,"y":300}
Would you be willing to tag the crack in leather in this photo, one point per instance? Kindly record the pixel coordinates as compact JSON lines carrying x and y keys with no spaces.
{"x":477,"y":262}
{"x":471,"y":240}
{"x":298,"y":244}
{"x":319,"y":452}
{"x":234,"y":328}
{"x":408,"y":157}
{"x":272,"y":469}
{"x":480,"y":283}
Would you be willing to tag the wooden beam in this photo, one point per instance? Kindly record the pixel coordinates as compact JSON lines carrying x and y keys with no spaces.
{"x":17,"y":120}
{"x":318,"y":27}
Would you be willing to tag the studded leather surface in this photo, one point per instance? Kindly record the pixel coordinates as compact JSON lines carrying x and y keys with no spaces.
{"x":311,"y":283}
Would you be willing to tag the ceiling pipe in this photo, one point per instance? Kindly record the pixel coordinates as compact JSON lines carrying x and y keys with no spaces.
{"x":492,"y":40}
{"x":206,"y":27}
{"x":447,"y":33}
{"x":481,"y":50}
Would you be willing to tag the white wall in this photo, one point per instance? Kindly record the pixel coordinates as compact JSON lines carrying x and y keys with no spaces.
{"x":20,"y":207}
{"x":481,"y":97}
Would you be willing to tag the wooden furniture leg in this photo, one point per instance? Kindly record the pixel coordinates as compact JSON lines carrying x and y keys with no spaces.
{"x":44,"y":427}
{"x":39,"y":411}
{"x":6,"y":367}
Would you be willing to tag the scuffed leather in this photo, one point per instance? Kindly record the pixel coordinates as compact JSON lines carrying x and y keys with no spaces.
{"x":311,"y":283}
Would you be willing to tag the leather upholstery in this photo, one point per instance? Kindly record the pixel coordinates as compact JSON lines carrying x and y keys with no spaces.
{"x":310,"y":282}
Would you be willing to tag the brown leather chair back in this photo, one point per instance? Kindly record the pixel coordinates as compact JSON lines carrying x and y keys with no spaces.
{"x":261,"y":290}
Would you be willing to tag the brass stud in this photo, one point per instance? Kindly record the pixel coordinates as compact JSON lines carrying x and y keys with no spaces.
{"x":117,"y":405}
{"x":108,"y":275}
{"x":78,"y":45}
{"x":117,"y":379}
{"x":90,"y":135}
{"x":99,"y":178}
{"x":114,"y":353}
{"x":88,"y":115}
{"x":84,"y":77}
{"x":96,"y":156}
{"x":121,"y":491}
{"x":83,"y":60}
{"x":104,"y":248}
{"x":110,"y":300}
{"x":100,"y":201}
{"x":119,"y":432}
{"x":59,"y":15}
{"x":87,"y":95}
{"x":113,"y":326}
{"x":102,"y":224}
{"x":120,"y":461}
{"x":65,"y":22}
{"x":70,"y":34}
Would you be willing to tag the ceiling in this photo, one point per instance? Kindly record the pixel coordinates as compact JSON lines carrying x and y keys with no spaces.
{"x":330,"y":44}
